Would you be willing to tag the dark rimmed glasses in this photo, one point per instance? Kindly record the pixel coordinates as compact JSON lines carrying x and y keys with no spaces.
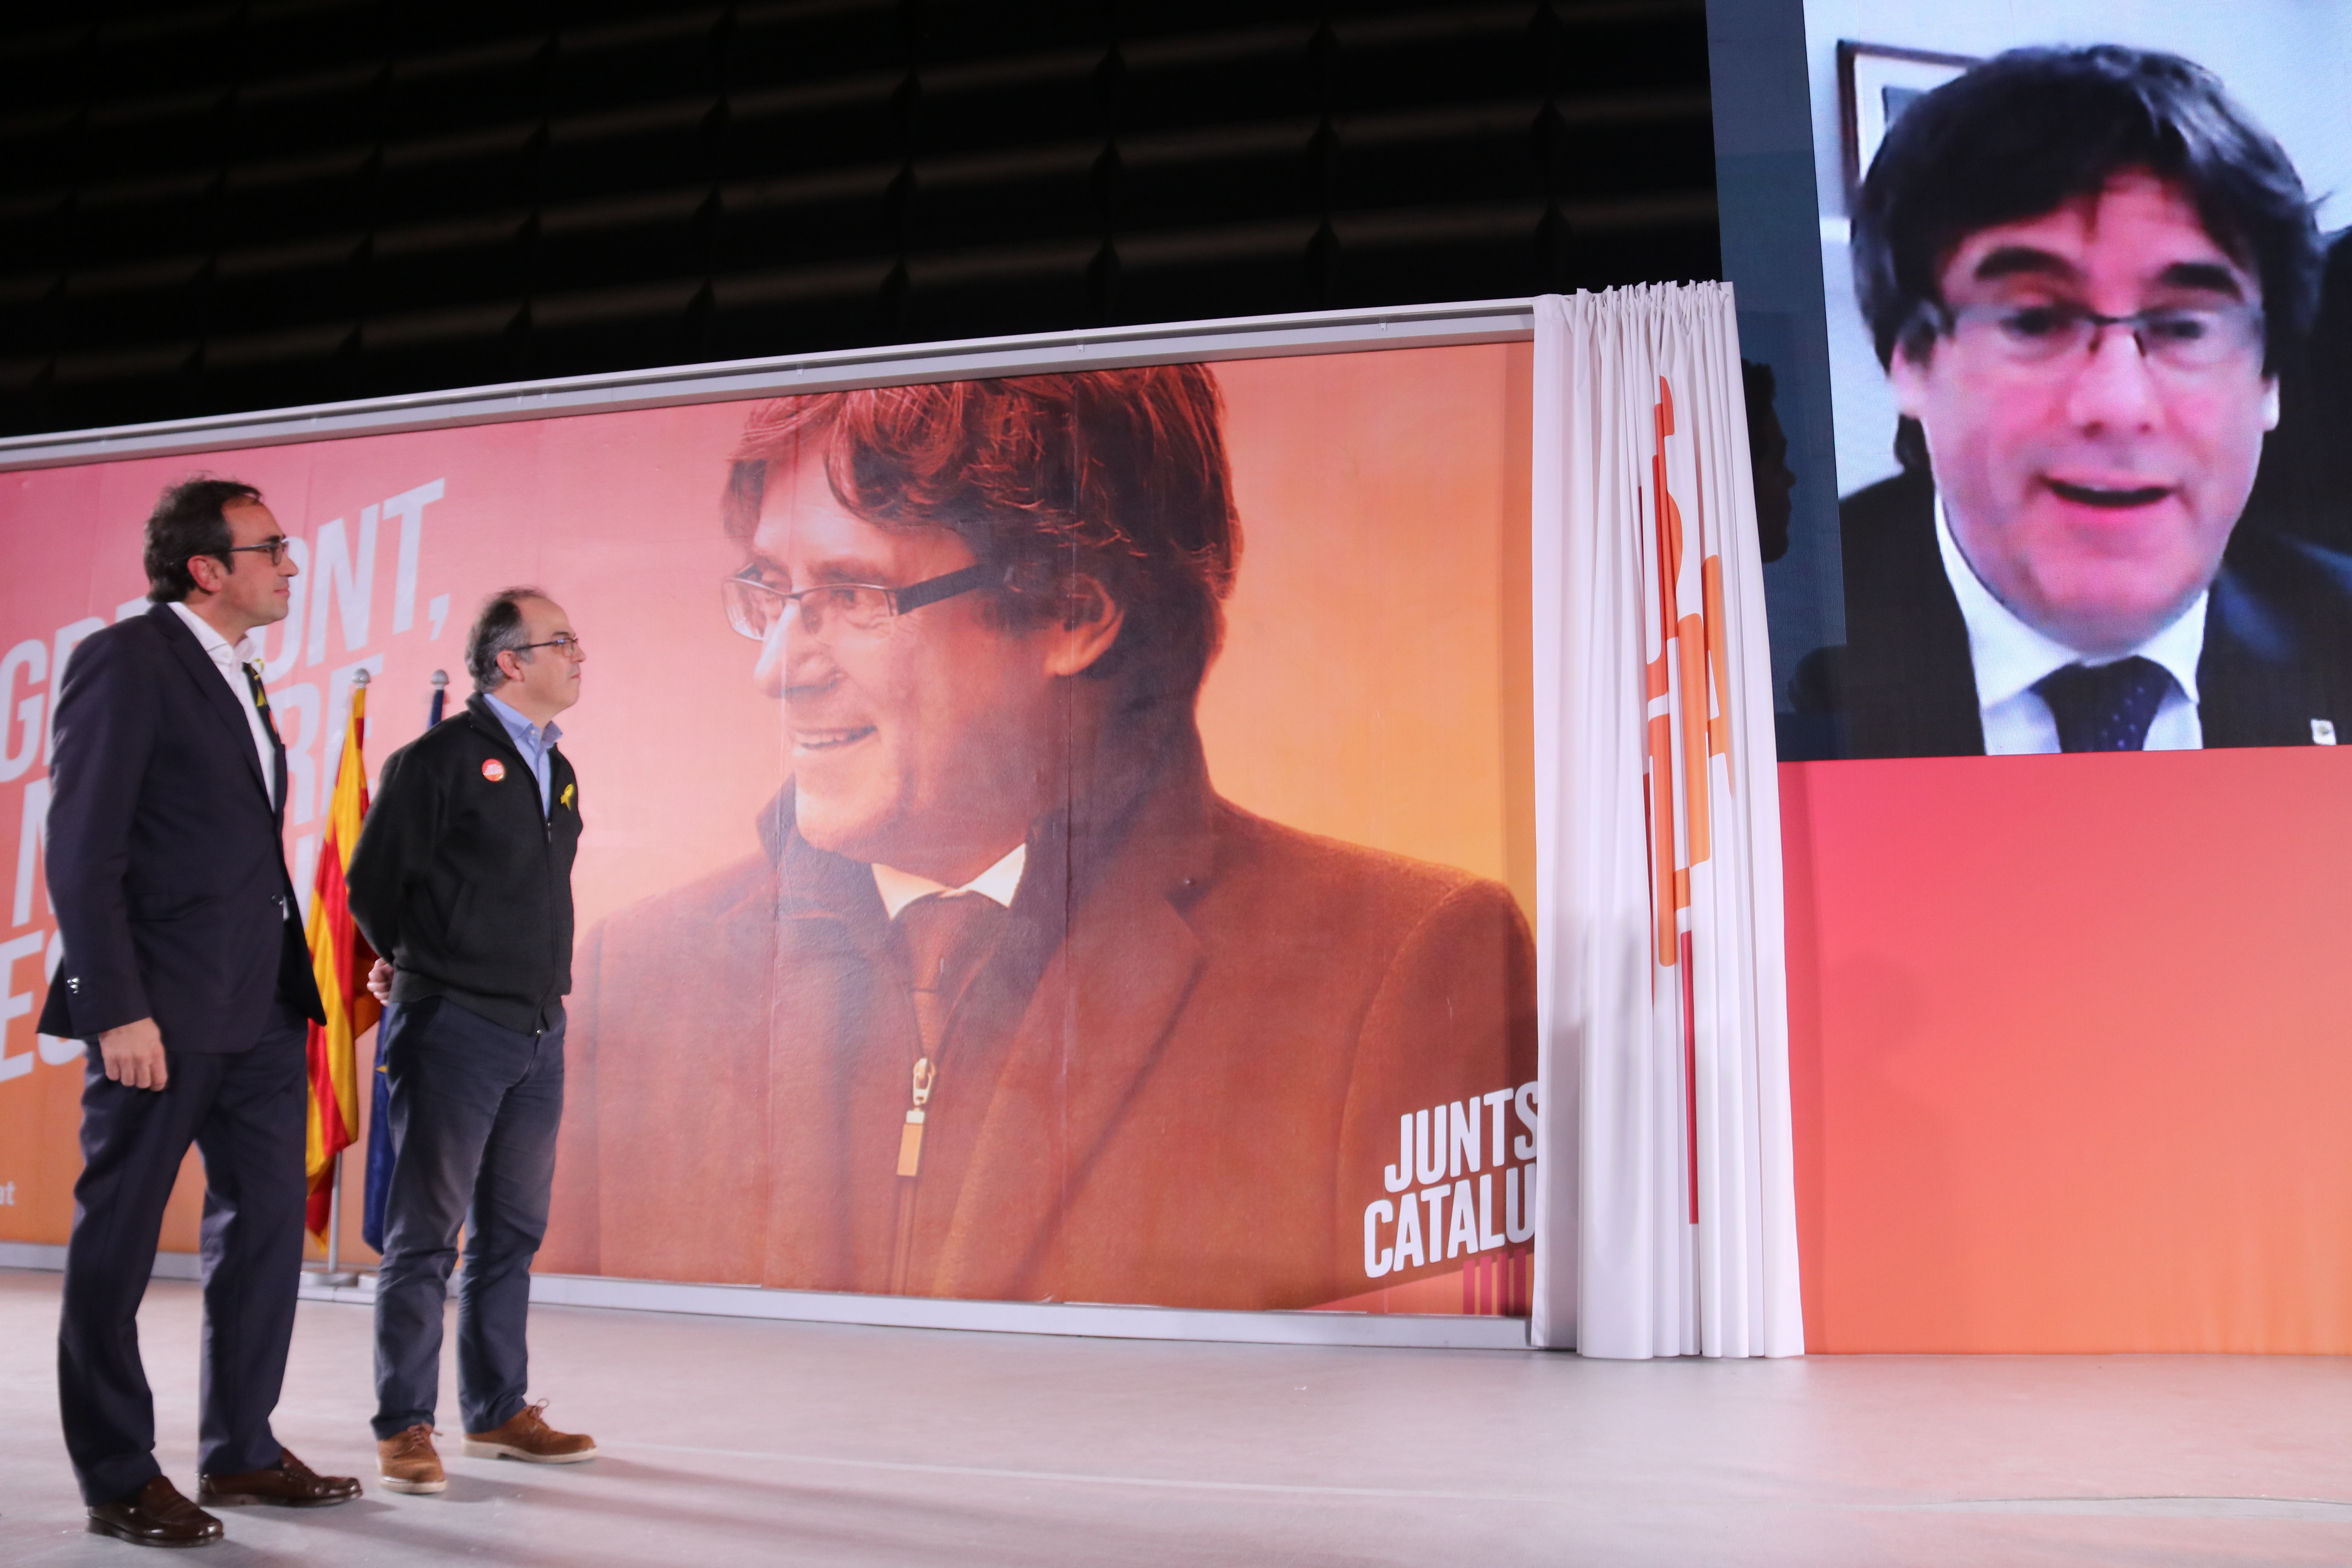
{"x":563,"y":643}
{"x":2190,"y":339}
{"x":274,"y":547}
{"x":755,"y":607}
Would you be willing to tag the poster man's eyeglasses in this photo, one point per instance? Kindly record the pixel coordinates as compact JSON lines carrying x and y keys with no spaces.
{"x":754,"y":607}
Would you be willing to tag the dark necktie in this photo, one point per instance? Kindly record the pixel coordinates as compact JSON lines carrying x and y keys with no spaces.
{"x":947,"y":936}
{"x":2107,"y":707}
{"x":261,"y":702}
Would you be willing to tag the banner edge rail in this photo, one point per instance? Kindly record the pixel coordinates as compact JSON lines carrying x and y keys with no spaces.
{"x":1229,"y":338}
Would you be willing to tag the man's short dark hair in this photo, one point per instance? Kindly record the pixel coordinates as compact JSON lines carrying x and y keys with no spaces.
{"x":498,"y":629}
{"x":190,"y":519}
{"x":1117,"y":474}
{"x":2030,"y":130}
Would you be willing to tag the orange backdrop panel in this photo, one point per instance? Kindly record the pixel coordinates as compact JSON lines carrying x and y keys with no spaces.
{"x":2070,"y":1053}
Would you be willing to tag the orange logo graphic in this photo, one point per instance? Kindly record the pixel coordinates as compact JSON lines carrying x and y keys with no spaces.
{"x":494,"y":770}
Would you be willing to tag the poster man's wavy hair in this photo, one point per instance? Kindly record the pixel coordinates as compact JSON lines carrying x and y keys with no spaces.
{"x":1118,"y":475}
{"x":2032,"y":129}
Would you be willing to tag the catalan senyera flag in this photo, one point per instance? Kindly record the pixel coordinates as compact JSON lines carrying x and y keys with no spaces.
{"x":1660,"y":902}
{"x":1687,"y":690}
{"x":339,"y":961}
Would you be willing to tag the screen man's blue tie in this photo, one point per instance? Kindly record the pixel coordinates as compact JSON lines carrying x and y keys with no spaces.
{"x":2107,"y":707}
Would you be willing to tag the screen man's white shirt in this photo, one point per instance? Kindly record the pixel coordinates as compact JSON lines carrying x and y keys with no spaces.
{"x":2009,"y":657}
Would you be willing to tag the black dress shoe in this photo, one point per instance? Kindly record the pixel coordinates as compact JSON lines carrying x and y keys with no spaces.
{"x":158,"y":1516}
{"x":289,"y":1483}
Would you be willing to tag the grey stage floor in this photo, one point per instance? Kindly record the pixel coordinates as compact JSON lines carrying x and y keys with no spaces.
{"x":731,"y":1441}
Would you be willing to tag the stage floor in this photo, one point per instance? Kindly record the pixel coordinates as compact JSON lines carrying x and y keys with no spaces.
{"x":733,"y":1441}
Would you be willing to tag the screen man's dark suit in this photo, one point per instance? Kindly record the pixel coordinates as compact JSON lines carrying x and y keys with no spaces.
{"x":168,"y":876}
{"x":2278,"y":636}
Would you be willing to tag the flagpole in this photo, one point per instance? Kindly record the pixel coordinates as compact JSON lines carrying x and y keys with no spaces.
{"x":334,"y":1274}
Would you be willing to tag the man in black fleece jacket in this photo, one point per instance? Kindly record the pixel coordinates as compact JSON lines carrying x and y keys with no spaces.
{"x":462,"y":880}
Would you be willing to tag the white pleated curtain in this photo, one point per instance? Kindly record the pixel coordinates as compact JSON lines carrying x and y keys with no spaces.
{"x":1668,"y":1194}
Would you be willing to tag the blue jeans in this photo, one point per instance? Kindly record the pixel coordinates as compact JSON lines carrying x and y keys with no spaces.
{"x":474,"y":1112}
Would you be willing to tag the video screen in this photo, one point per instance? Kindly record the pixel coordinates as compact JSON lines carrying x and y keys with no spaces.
{"x":2088,"y":285}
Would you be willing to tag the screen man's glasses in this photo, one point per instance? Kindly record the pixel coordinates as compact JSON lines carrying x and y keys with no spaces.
{"x":754,"y":607}
{"x":2178,"y":338}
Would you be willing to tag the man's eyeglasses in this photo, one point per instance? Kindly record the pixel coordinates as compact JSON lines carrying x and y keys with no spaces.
{"x":2179,"y":338}
{"x":754,"y":606}
{"x":273,"y":547}
{"x":563,"y":643}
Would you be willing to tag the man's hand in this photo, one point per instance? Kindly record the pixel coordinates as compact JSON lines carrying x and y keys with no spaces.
{"x":133,"y":1055}
{"x":379,"y":982}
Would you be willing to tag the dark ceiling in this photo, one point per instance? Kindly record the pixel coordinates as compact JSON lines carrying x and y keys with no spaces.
{"x":218,"y":207}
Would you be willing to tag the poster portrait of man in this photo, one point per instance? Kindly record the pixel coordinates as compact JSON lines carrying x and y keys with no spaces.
{"x":2085,"y":271}
{"x":1010,"y":1002}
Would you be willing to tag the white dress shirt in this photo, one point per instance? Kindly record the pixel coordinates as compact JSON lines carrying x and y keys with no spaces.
{"x":2009,"y":657}
{"x":997,"y":884}
{"x":231,"y":664}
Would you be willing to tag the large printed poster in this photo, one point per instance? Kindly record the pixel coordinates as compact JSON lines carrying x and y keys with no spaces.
{"x":1064,"y":837}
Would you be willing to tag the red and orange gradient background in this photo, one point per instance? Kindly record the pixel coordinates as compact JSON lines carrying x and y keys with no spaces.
{"x":2070,"y":1051}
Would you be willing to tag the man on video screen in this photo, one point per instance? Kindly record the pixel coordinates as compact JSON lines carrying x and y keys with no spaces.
{"x":2082,"y":270}
{"x":1012,"y":1004}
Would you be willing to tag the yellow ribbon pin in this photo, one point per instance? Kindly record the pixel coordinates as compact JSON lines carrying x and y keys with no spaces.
{"x":565,"y":798}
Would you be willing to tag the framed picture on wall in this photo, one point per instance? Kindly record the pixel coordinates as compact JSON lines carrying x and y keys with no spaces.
{"x":1876,"y":83}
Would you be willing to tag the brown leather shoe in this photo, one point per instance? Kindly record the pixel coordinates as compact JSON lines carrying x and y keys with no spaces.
{"x":158,"y":1516}
{"x":408,"y":1463}
{"x":289,"y":1483}
{"x":529,"y":1438}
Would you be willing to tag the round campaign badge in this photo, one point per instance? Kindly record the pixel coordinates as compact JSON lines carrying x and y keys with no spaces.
{"x":494,"y":770}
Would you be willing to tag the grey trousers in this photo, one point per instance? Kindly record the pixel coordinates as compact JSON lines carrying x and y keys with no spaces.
{"x":474,"y":1109}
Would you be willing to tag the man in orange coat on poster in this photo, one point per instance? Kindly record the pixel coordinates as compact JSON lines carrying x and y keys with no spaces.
{"x":1012,"y":1004}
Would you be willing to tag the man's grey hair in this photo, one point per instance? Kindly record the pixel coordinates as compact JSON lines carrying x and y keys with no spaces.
{"x":498,"y":629}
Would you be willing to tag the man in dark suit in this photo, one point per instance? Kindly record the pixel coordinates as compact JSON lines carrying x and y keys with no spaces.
{"x":2082,"y":270}
{"x":1012,"y":1004}
{"x":185,"y":970}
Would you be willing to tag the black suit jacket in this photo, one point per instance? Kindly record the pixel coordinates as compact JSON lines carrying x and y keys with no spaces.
{"x":167,"y":866}
{"x":2278,"y":636}
{"x":2304,"y":485}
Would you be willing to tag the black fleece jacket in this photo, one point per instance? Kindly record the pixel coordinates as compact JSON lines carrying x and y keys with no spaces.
{"x":460,"y":881}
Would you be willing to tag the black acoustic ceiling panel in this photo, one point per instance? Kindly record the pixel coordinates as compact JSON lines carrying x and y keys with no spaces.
{"x":209,"y":207}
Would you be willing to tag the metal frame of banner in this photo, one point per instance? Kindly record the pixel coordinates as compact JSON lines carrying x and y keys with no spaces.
{"x":1247,"y":337}
{"x":1085,"y":1320}
{"x":1237,"y":338}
